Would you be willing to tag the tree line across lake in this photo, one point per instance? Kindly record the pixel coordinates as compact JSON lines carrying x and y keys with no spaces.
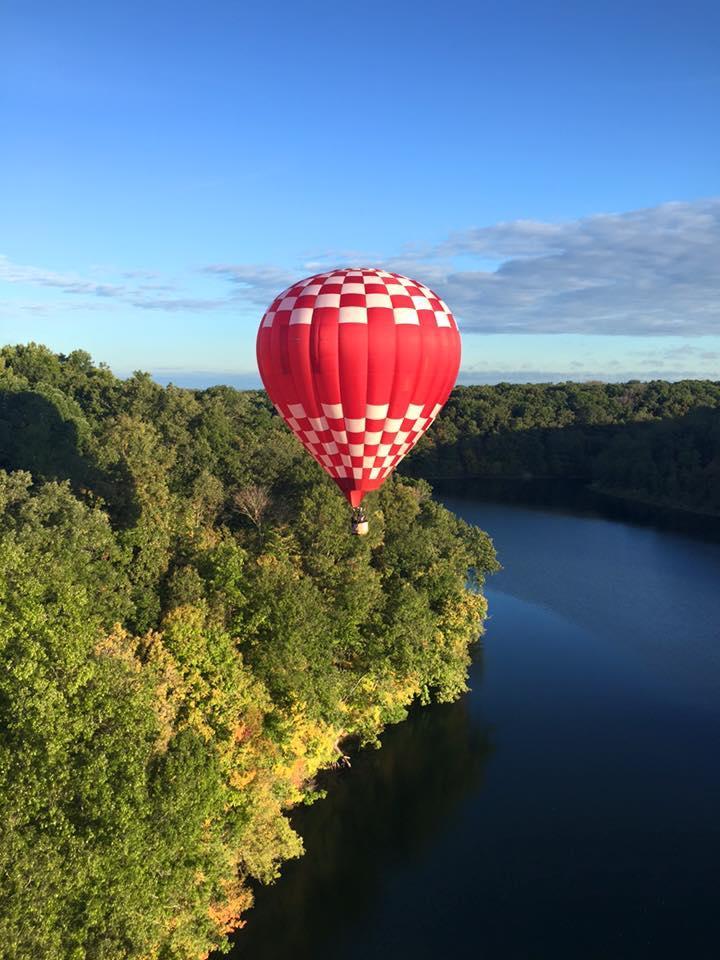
{"x":188,"y":635}
{"x":655,"y":441}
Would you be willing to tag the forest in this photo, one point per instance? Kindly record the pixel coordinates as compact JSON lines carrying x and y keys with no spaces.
{"x":188,"y":635}
{"x":656,"y":441}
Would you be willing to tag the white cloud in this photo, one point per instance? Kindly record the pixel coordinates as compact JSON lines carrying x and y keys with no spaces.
{"x":254,"y":284}
{"x":141,"y":295}
{"x":647,"y":272}
{"x":612,"y":372}
{"x":37,"y":276}
{"x":653,"y":271}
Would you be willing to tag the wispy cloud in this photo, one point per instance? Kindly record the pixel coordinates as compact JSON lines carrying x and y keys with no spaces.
{"x":37,"y":276}
{"x":652,"y":271}
{"x":255,"y":284}
{"x":144,"y":296}
{"x":612,"y":373}
{"x":176,"y":304}
{"x":646,"y":272}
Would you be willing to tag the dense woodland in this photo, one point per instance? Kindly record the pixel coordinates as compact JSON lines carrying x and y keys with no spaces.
{"x":188,"y":634}
{"x":655,"y":441}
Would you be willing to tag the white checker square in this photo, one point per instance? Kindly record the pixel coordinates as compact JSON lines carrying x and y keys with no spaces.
{"x":373,"y":437}
{"x":268,"y":319}
{"x":357,"y":472}
{"x":406,"y":315}
{"x":354,"y":425}
{"x":396,"y":289}
{"x":368,"y":462}
{"x":392,"y":426}
{"x":356,"y":449}
{"x":352,"y":314}
{"x":378,"y":300}
{"x":376,"y":411}
{"x":421,"y":303}
{"x":339,"y":436}
{"x":296,"y":410}
{"x":374,"y":472}
{"x":353,"y":288}
{"x":301,"y":315}
{"x":287,"y":303}
{"x":413,"y":411}
{"x":333,"y":411}
{"x":383,"y":449}
{"x":328,"y":300}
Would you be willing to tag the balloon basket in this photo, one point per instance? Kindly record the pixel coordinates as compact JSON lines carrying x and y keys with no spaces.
{"x":359,"y":525}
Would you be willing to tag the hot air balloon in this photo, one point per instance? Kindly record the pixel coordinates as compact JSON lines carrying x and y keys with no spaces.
{"x":358,"y":363}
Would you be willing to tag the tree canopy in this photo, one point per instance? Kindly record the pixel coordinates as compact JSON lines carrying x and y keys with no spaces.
{"x":187,"y":633}
{"x":657,"y":441}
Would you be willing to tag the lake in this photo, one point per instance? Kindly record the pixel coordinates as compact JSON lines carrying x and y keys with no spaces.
{"x":569,"y":806}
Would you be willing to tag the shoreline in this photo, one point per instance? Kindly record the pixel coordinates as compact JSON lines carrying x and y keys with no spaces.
{"x":580,"y":483}
{"x":580,"y":495}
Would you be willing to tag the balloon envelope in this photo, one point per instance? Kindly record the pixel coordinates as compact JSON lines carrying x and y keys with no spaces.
{"x":358,"y":363}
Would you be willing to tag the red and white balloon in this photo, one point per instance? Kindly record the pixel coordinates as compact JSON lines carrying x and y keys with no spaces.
{"x":358,"y":363}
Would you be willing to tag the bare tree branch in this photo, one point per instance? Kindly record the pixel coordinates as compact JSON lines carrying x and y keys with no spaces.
{"x":252,"y":501}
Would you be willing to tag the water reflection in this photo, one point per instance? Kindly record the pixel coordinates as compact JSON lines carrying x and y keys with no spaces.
{"x":382,"y":813}
{"x":592,"y":830}
{"x":575,"y":497}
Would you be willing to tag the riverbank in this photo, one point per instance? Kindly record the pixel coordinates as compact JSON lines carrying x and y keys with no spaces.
{"x":630,"y":496}
{"x":583,"y":498}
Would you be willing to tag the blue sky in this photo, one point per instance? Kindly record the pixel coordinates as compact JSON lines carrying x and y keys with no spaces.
{"x":550,"y":169}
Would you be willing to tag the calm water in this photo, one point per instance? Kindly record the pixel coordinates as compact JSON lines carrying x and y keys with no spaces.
{"x":569,"y":806}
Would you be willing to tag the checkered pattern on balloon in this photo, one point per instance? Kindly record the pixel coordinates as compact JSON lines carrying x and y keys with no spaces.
{"x":358,"y":363}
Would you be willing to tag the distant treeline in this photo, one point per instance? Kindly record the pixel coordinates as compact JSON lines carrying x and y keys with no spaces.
{"x":187,"y":634}
{"x":656,"y":441}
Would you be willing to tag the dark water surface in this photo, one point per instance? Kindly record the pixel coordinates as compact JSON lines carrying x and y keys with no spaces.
{"x":569,"y":807}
